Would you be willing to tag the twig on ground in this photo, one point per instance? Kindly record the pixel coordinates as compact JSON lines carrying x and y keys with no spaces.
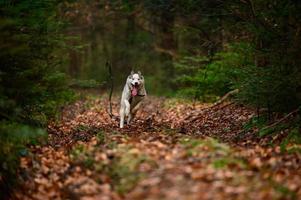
{"x":225,"y":97}
{"x":281,"y":120}
{"x":196,"y":114}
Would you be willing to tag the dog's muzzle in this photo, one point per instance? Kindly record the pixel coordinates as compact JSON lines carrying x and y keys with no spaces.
{"x":134,"y":90}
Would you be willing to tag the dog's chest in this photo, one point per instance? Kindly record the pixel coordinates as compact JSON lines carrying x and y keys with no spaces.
{"x":135,"y":100}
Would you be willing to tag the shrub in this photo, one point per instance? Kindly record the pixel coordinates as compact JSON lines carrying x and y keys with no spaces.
{"x":14,"y":139}
{"x":33,"y":88}
{"x":206,"y":79}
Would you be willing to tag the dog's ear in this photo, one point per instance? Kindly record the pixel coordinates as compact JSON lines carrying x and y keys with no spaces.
{"x":139,"y":73}
{"x":132,"y":72}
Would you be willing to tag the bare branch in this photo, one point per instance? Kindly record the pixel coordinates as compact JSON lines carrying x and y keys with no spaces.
{"x":281,"y":120}
{"x":225,"y":97}
{"x":170,"y":52}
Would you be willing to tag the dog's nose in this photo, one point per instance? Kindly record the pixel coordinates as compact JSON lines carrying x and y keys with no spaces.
{"x":136,"y":83}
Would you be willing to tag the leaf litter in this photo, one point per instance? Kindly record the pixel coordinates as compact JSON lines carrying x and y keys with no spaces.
{"x":173,"y":150}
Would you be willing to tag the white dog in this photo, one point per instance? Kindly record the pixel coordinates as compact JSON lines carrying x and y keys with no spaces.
{"x":132,"y":95}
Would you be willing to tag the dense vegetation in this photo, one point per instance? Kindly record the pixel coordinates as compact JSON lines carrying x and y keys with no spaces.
{"x":32,"y":86}
{"x":200,"y":49}
{"x":210,"y":47}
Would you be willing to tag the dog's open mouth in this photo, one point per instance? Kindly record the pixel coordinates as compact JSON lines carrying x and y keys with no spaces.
{"x":134,"y":90}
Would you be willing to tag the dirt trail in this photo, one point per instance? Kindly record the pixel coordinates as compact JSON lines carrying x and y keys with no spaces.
{"x":167,"y":153}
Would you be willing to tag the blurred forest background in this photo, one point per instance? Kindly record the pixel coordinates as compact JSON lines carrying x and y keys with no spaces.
{"x":196,"y":49}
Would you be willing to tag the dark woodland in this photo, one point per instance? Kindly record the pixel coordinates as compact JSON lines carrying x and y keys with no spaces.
{"x":221,"y":119}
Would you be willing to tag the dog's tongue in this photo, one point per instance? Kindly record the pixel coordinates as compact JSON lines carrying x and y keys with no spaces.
{"x":134,"y":91}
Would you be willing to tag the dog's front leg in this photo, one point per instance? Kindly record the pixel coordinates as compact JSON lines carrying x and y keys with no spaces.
{"x":124,"y":111}
{"x":127,"y":107}
{"x":121,"y":113}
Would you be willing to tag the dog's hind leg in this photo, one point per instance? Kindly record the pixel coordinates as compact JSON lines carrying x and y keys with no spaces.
{"x":129,"y":119}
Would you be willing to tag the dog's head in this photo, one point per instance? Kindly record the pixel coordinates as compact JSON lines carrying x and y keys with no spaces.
{"x":135,"y":81}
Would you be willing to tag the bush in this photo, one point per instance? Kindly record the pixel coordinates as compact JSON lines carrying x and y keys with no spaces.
{"x":274,"y":86}
{"x":33,"y":88}
{"x":14,"y":139}
{"x":206,"y":79}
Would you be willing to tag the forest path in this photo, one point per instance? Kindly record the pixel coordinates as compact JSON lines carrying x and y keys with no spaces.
{"x":167,"y":153}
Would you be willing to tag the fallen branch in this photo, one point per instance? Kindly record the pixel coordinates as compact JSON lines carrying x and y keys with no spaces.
{"x":226,"y":105}
{"x":196,"y":114}
{"x":170,"y":52}
{"x":281,"y":120}
{"x":225,"y":97}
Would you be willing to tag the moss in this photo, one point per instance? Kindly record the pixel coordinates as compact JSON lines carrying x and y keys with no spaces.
{"x":101,"y":137}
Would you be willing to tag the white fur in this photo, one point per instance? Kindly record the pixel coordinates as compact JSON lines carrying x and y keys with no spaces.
{"x":129,"y":104}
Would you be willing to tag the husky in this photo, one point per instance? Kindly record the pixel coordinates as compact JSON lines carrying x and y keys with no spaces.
{"x":133,"y":94}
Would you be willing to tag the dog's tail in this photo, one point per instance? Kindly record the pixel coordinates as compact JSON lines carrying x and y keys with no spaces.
{"x":111,"y":83}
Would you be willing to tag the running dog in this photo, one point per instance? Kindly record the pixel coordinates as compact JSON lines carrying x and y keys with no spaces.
{"x":133,"y":94}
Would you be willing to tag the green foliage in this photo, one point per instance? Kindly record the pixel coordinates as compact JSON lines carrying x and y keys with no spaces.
{"x":154,"y":85}
{"x":82,"y":127}
{"x":33,"y":88}
{"x":289,"y":143}
{"x":194,"y":146}
{"x":191,"y":143}
{"x":206,"y":79}
{"x":222,"y":154}
{"x":112,"y":145}
{"x":124,"y":172}
{"x":273,"y":80}
{"x":269,"y":87}
{"x":284,"y":192}
{"x":228,"y":161}
{"x":14,"y":139}
{"x":256,"y":121}
{"x":81,"y":155}
{"x":101,"y":137}
{"x":292,"y":142}
{"x":123,"y":168}
{"x":85,"y":84}
{"x":263,"y":61}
